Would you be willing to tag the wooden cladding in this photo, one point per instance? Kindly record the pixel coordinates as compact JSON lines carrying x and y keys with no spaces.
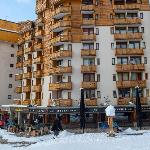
{"x":129,"y":67}
{"x":87,"y":8}
{"x":129,"y":84}
{"x":86,"y":52}
{"x":88,"y":69}
{"x":37,"y":60}
{"x":60,"y":70}
{"x":60,"y":102}
{"x":128,"y":36}
{"x":88,"y":22}
{"x":60,"y":86}
{"x":89,"y":85}
{"x":129,"y":51}
{"x":88,"y":37}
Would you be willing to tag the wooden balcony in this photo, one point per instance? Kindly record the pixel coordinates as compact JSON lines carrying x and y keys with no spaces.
{"x":120,"y":21}
{"x":60,"y":39}
{"x":27,"y":75}
{"x":17,"y":102}
{"x":37,"y":74}
{"x":128,"y":36}
{"x":88,"y":52}
{"x":129,"y":67}
{"x":61,"y":25}
{"x":88,"y":22}
{"x":19,"y":65}
{"x":28,"y":50}
{"x":129,"y":51}
{"x":39,"y":33}
{"x":127,"y":7}
{"x":89,"y":85}
{"x":131,"y":84}
{"x":19,"y":52}
{"x":61,"y":54}
{"x":60,"y":86}
{"x":38,"y":46}
{"x":26,"y":102}
{"x":36,"y":102}
{"x":61,"y":70}
{"x":40,"y":21}
{"x":18,"y":90}
{"x":125,"y":101}
{"x":61,"y":12}
{"x":26,"y":89}
{"x":38,"y":60}
{"x":88,"y":37}
{"x":18,"y":77}
{"x":91,"y":102}
{"x":60,"y":102}
{"x":37,"y":88}
{"x":21,"y":40}
{"x":28,"y":37}
{"x":27,"y":63}
{"x":87,"y":8}
{"x":88,"y":69}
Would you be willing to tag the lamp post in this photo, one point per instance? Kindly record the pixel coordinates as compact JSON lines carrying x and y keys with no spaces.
{"x":138,"y":109}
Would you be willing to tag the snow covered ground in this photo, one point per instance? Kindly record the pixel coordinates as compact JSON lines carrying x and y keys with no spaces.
{"x":87,"y":141}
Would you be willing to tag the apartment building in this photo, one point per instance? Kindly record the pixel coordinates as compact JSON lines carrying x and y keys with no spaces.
{"x":8,"y":47}
{"x":101,"y":46}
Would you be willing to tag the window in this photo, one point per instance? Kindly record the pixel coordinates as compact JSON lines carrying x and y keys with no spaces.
{"x":69,"y":46}
{"x":10,"y":86}
{"x":10,"y":75}
{"x":124,"y":93}
{"x":142,"y":29}
{"x":88,"y":61}
{"x":141,"y":15}
{"x":50,"y":95}
{"x":114,"y":94}
{"x":96,"y":17}
{"x":145,"y":60}
{"x":97,"y":31}
{"x":98,"y":77}
{"x":12,"y":45}
{"x":112,"y":46}
{"x":69,"y":63}
{"x":114,"y":77}
{"x":11,"y":65}
{"x":98,"y":94}
{"x":69,"y":78}
{"x":112,"y":30}
{"x":113,"y":61}
{"x":143,"y":45}
{"x":97,"y":46}
{"x":98,"y":61}
{"x":89,"y":77}
{"x":147,"y":92}
{"x":9,"y":96}
{"x":146,"y":76}
{"x":88,"y":46}
{"x":12,"y":55}
{"x":89,"y":94}
{"x":122,"y":60}
{"x":69,"y":95}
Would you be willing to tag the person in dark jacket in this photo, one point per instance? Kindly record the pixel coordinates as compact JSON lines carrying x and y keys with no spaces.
{"x":57,"y":127}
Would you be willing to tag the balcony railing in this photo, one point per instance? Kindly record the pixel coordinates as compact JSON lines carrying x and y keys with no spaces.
{"x":60,"y":86}
{"x":130,"y":84}
{"x":37,"y":88}
{"x":37,"y":74}
{"x":26,"y":89}
{"x":38,"y":60}
{"x":61,"y":12}
{"x":88,"y":22}
{"x":129,"y":51}
{"x":60,"y":102}
{"x":17,"y":102}
{"x":128,"y":36}
{"x":19,"y":52}
{"x":86,"y":52}
{"x":39,"y":33}
{"x":38,"y":46}
{"x":18,"y":90}
{"x":27,"y":62}
{"x":21,"y":40}
{"x":36,"y":101}
{"x":26,"y":102}
{"x":61,"y":54}
{"x":129,"y":67}
{"x":89,"y":85}
{"x":88,"y":37}
{"x":125,"y":101}
{"x":28,"y":37}
{"x":120,"y":21}
{"x":127,"y":7}
{"x":88,"y":69}
{"x":91,"y":102}
{"x":60,"y":70}
{"x":19,"y":65}
{"x":28,"y":50}
{"x":27,"y":75}
{"x":40,"y":20}
{"x":18,"y":77}
{"x":85,"y":8}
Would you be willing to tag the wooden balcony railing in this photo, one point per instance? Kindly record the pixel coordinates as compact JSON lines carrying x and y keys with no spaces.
{"x":21,"y":40}
{"x":60,"y":86}
{"x":89,"y":85}
{"x":129,"y":67}
{"x":60,"y":70}
{"x":28,"y":50}
{"x":87,"y":7}
{"x":26,"y":102}
{"x":26,"y":89}
{"x":18,"y":90}
{"x":36,"y":101}
{"x":128,"y":36}
{"x":130,"y":84}
{"x":60,"y":102}
{"x":19,"y":65}
{"x":17,"y":102}
{"x":88,"y":37}
{"x":127,"y":7}
{"x":37,"y":88}
{"x":27,"y":75}
{"x":91,"y":102}
{"x":61,"y":10}
{"x":88,"y":22}
{"x":37,"y":74}
{"x":129,"y":51}
{"x":19,"y":52}
{"x":39,"y":33}
{"x":61,"y":54}
{"x":28,"y":37}
{"x":40,"y":20}
{"x":86,"y":52}
{"x":120,"y":21}
{"x":18,"y":77}
{"x":125,"y":101}
{"x":38,"y":60}
{"x":27,"y":62}
{"x":88,"y":69}
{"x":38,"y":46}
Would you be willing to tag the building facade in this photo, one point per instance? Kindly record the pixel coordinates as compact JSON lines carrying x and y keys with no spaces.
{"x":101,"y":46}
{"x":8,"y":47}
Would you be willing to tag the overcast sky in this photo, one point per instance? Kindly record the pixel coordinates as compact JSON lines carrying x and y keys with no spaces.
{"x":17,"y":10}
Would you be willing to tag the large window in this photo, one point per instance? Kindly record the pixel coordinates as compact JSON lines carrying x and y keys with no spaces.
{"x":124,"y":92}
{"x":123,"y":76}
{"x":89,"y":94}
{"x":89,"y":77}
{"x":122,"y":60}
{"x":88,"y":61}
